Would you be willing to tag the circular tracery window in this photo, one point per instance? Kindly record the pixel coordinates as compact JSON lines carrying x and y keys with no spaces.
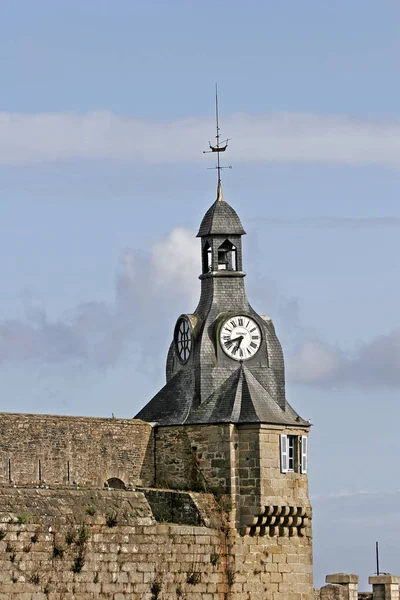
{"x":183,"y":339}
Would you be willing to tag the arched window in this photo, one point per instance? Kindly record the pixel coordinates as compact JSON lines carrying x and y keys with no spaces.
{"x":227,"y":257}
{"x":207,"y":258}
{"x":116,"y":483}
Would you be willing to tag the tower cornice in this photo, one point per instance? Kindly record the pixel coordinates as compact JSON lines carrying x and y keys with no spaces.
{"x":213,"y":274}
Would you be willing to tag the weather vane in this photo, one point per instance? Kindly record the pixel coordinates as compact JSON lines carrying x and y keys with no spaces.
{"x":219,"y":146}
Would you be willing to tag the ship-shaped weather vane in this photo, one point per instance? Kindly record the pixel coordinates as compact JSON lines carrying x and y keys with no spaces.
{"x":220,"y":146}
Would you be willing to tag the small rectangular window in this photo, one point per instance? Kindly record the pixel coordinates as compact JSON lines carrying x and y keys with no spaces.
{"x":304,"y":454}
{"x":291,"y":452}
{"x":284,"y":453}
{"x":294,"y":453}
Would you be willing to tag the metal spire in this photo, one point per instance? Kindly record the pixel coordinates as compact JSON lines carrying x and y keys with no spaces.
{"x":219,"y":147}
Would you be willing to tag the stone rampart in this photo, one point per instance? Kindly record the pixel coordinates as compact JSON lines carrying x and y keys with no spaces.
{"x":81,"y":544}
{"x":61,"y":450}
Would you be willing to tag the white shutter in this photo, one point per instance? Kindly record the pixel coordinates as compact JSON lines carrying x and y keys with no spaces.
{"x":284,"y":454}
{"x":304,"y":453}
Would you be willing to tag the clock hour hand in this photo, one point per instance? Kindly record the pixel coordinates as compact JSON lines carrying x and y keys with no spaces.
{"x":238,"y":339}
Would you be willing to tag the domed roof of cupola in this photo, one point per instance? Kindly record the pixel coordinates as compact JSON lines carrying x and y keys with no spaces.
{"x":220,"y":219}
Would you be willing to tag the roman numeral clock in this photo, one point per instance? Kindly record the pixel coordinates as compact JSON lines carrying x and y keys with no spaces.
{"x":240,"y":337}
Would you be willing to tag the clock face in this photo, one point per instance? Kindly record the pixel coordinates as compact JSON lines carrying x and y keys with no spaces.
{"x":240,"y":337}
{"x":183,"y":339}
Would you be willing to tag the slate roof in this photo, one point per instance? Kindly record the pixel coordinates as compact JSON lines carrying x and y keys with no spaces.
{"x":171,"y":405}
{"x":240,"y":399}
{"x":220,"y":219}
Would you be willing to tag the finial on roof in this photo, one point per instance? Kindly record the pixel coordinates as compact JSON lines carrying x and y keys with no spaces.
{"x":220,"y":196}
{"x":219,"y":147}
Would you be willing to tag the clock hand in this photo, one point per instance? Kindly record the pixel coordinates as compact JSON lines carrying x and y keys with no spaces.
{"x":239,"y":341}
{"x":237,"y":338}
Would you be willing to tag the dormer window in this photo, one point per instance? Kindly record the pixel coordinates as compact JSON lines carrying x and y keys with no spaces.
{"x":227,"y":257}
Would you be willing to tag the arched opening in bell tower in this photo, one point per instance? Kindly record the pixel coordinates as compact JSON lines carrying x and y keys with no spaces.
{"x":207,"y":258}
{"x":227,"y":256}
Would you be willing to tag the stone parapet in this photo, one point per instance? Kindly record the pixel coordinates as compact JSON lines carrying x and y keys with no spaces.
{"x":385,"y":579}
{"x":385,"y":587}
{"x":62,"y":450}
{"x":332,"y":591}
{"x":340,"y":586}
{"x":342,"y":578}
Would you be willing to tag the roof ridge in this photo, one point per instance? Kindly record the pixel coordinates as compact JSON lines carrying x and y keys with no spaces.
{"x":237,"y":404}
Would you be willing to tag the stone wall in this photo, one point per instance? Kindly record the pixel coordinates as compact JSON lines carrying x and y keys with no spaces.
{"x":106,"y":544}
{"x":242,"y":461}
{"x":262,"y":485}
{"x":194,"y":457}
{"x":248,"y":539}
{"x":67,"y":450}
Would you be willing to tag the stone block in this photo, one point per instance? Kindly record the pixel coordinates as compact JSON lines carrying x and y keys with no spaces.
{"x":333,"y":591}
{"x":384,"y":579}
{"x":341,"y":578}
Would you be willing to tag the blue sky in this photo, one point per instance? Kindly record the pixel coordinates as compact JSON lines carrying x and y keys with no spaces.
{"x":105,"y":110}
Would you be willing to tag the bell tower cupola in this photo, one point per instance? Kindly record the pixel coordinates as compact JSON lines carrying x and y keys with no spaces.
{"x":221,"y":238}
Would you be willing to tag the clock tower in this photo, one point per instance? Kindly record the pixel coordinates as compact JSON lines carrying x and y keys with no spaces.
{"x":225,"y":362}
{"x":222,"y":423}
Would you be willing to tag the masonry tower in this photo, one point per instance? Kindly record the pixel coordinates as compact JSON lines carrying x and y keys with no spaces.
{"x":222,"y":421}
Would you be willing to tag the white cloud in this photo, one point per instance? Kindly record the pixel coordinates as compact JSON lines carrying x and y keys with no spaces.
{"x":313,"y":362}
{"x":352,"y":493}
{"x":283,"y":137}
{"x":374,"y":364}
{"x":151,"y":290}
{"x":174,"y":261}
{"x":334,"y":222}
{"x":98,"y":333}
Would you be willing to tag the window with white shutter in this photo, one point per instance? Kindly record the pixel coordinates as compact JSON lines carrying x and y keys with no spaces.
{"x":284,"y":454}
{"x":292,"y":452}
{"x":304,"y":454}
